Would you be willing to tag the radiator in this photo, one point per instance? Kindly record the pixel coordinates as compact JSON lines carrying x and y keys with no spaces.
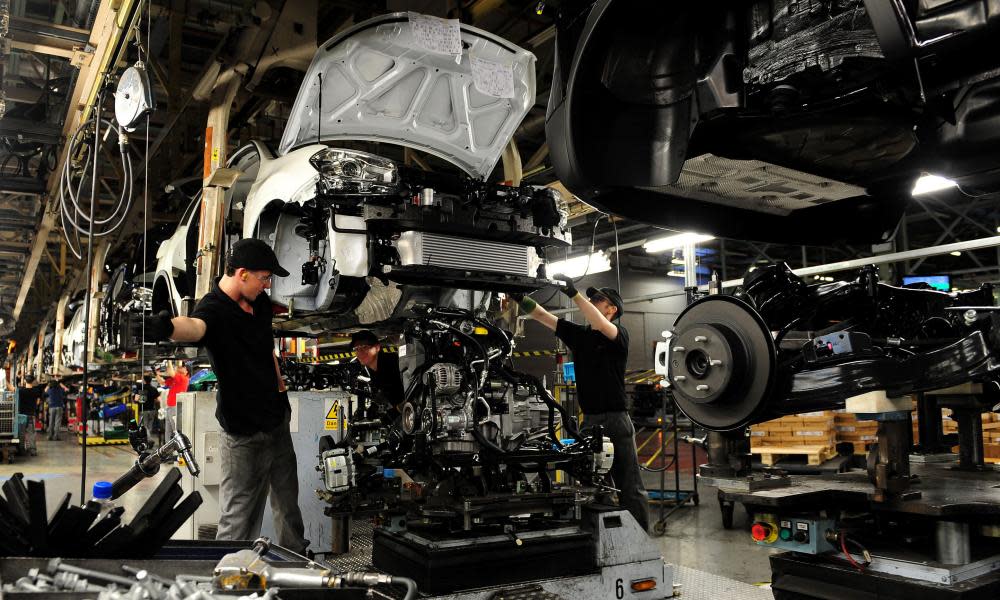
{"x":467,"y":254}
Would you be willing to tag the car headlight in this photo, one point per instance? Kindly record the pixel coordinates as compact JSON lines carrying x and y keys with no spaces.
{"x":350,"y":172}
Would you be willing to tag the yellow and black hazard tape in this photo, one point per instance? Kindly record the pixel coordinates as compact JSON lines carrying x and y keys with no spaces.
{"x":535,"y":353}
{"x":338,"y":356}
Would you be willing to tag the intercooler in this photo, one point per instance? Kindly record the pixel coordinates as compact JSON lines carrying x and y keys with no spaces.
{"x":468,"y":254}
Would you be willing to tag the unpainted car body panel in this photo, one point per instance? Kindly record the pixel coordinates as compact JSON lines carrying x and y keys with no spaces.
{"x":375,"y":82}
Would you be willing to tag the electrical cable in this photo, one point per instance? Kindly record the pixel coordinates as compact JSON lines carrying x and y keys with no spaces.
{"x":85,"y":404}
{"x":665,"y":467}
{"x":145,"y":212}
{"x":618,"y":262}
{"x":847,"y":555}
{"x":673,"y":459}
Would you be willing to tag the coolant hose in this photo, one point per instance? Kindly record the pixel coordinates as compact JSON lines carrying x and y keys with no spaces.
{"x":485,"y":443}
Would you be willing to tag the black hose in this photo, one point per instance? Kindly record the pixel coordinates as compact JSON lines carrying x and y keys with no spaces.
{"x":568,"y":422}
{"x":132,"y":477}
{"x":486,"y":443}
{"x":411,"y":586}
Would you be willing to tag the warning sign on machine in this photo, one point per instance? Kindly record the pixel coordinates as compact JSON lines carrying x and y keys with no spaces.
{"x":333,"y":415}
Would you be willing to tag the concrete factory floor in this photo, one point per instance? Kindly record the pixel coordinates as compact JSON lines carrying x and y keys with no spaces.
{"x":694,"y":534}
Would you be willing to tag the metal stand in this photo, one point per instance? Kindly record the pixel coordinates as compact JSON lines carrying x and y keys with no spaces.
{"x":676,"y":497}
{"x":967,"y":407}
{"x":929,"y":426}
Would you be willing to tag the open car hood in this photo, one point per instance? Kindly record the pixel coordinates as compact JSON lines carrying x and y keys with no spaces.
{"x":377,"y":82}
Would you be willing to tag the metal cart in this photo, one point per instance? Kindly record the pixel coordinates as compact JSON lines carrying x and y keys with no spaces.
{"x":674,"y":498}
{"x":8,"y":425}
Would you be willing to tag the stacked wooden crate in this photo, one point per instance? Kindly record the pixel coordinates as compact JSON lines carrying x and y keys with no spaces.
{"x":860,"y":433}
{"x":811,"y":434}
{"x":816,"y":435}
{"x":991,"y":437}
{"x":865,"y":433}
{"x":991,"y":433}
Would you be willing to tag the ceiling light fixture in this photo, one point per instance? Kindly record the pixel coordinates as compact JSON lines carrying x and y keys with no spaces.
{"x":578,"y":266}
{"x":932,"y":183}
{"x":675,"y":241}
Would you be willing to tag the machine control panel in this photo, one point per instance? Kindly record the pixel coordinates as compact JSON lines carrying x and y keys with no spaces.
{"x":799,"y":534}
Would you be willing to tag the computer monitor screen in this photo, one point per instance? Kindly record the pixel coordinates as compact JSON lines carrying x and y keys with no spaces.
{"x":938,"y":282}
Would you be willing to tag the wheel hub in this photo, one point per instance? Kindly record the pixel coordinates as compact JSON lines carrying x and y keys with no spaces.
{"x":721,"y":363}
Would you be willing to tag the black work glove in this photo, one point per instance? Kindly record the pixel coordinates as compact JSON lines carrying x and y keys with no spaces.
{"x":158,"y":327}
{"x":516,"y":296}
{"x":569,"y":290}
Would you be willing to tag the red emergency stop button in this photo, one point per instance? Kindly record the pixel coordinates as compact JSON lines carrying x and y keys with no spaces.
{"x":760,"y":532}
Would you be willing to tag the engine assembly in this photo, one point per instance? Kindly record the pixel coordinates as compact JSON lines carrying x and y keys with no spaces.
{"x":474,"y":443}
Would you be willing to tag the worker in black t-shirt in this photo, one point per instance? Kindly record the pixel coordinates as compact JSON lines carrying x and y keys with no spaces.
{"x":383,"y":367}
{"x":233,"y":322}
{"x":600,"y":351}
{"x":148,"y":398}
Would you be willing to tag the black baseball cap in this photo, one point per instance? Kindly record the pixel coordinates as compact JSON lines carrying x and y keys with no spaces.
{"x":364,"y":337}
{"x":255,"y":255}
{"x":611,"y":294}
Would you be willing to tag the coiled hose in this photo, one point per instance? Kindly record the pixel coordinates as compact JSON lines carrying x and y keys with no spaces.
{"x":76,"y":221}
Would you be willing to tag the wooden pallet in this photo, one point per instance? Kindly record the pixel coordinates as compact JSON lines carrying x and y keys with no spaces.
{"x":814,"y":454}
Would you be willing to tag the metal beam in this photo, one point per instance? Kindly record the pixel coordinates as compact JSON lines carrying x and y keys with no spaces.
{"x":960,"y":216}
{"x":49,"y":39}
{"x":545,"y":35}
{"x":966,"y":246}
{"x":20,"y":94}
{"x":210,"y":68}
{"x":44,"y":28}
{"x":22,"y":185}
{"x":30,"y":131}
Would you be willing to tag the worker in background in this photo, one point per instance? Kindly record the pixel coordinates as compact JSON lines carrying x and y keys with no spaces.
{"x":176,"y":382}
{"x":148,"y":398}
{"x":600,"y":351}
{"x":29,"y":396}
{"x":233,"y":322}
{"x":387,"y":384}
{"x":56,"y":396}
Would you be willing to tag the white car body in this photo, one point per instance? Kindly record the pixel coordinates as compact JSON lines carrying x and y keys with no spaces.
{"x":172,"y":279}
{"x":377,"y":82}
{"x":170,"y":267}
{"x":73,"y":351}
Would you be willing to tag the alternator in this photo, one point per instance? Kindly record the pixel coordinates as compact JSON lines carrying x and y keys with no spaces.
{"x":447,"y":378}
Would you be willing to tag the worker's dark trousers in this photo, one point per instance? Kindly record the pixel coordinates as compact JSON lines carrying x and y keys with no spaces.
{"x":252,"y":466}
{"x":148,"y":421}
{"x":55,"y":422}
{"x":625,"y":469}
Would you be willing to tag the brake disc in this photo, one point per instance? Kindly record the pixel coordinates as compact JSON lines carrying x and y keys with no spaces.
{"x":722,"y":363}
